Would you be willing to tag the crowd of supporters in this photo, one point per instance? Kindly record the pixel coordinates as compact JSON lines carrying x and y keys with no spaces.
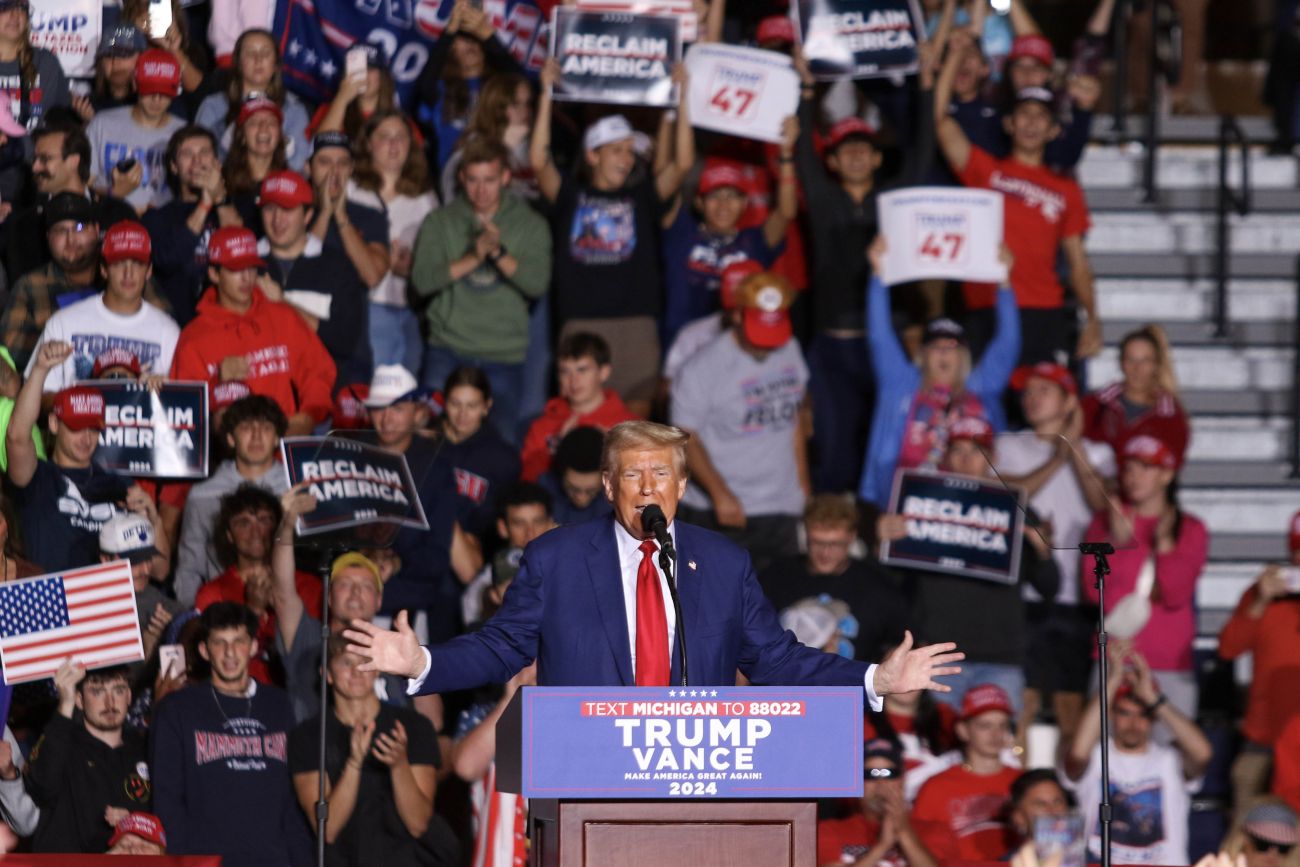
{"x":484,"y":281}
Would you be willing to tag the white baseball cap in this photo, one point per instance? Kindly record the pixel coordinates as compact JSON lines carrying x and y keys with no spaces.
{"x":392,"y":384}
{"x":128,"y":535}
{"x":607,"y":130}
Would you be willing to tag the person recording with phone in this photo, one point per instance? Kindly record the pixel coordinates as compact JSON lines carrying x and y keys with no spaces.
{"x":593,"y":605}
{"x":1266,"y":624}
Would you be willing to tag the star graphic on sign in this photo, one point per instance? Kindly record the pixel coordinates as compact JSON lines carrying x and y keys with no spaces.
{"x":295,"y":47}
{"x":713,"y":694}
{"x":328,"y":68}
{"x":694,"y":693}
{"x":672,"y":693}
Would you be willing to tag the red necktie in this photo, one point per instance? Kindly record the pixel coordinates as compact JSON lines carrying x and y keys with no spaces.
{"x":652,"y":668}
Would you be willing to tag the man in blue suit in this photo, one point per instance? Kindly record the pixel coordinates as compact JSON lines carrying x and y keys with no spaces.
{"x":589,"y":604}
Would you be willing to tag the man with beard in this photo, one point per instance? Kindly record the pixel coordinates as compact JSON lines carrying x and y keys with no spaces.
{"x":220,"y":755}
{"x":60,"y":164}
{"x":86,"y":775}
{"x":117,"y":318}
{"x":72,"y":232}
{"x":180,"y":229}
{"x":882,"y":832}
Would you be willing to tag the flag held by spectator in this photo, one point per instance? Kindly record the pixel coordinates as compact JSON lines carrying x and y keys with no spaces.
{"x":88,"y":614}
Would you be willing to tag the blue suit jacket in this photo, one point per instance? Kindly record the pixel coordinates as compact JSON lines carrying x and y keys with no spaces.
{"x":565,"y":609}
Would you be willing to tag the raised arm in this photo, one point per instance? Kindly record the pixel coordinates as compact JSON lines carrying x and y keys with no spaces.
{"x":787,"y":190}
{"x":670,"y":177}
{"x":951,"y":139}
{"x":1190,"y":741}
{"x":288,"y":604}
{"x":539,"y":147}
{"x":1021,"y":21}
{"x":19,"y":441}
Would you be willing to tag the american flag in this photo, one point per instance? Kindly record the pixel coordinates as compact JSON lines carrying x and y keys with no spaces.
{"x":88,"y":614}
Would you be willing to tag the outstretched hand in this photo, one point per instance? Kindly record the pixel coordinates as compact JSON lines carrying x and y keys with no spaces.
{"x":395,"y":651}
{"x":908,"y":669}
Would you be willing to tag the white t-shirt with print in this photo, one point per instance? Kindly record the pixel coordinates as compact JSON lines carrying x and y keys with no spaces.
{"x":92,"y":328}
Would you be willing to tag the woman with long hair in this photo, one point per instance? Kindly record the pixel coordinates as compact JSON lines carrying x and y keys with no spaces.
{"x":392,"y":176}
{"x":256,"y":150}
{"x":917,"y":401}
{"x":32,"y":76}
{"x":359,"y":98}
{"x":474,"y":448}
{"x":503,"y":113}
{"x":1144,"y":401}
{"x":255,"y":69}
{"x":460,"y":62}
{"x":1160,"y":551}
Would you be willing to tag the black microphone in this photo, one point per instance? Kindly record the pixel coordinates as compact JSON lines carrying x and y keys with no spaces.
{"x":654,"y":521}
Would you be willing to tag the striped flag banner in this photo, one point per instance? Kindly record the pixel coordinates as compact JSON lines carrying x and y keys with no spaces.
{"x":88,"y":614}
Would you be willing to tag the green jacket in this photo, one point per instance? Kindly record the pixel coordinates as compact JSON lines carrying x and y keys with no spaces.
{"x":482,"y":315}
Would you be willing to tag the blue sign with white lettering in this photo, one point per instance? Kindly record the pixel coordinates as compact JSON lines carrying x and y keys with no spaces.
{"x":692,"y":742}
{"x":957,"y":524}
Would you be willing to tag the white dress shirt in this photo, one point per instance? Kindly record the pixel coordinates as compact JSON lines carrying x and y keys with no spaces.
{"x":629,"y":562}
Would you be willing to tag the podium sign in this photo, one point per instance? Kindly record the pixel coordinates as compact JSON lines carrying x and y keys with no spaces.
{"x":694,"y":742}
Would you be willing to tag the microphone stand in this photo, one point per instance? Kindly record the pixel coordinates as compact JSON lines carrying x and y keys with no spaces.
{"x":1099,"y":551}
{"x":667,"y":560}
{"x":322,"y":804}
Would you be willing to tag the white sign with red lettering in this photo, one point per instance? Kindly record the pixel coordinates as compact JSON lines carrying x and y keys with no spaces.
{"x":739,"y":91}
{"x":944,"y":233}
{"x":70,"y":29}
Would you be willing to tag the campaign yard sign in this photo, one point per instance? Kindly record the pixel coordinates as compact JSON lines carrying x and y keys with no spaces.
{"x":615,"y":57}
{"x":957,"y":524}
{"x":942,"y":233}
{"x":746,"y":92}
{"x":154,"y":434}
{"x":70,"y":29}
{"x":684,"y":10}
{"x":860,"y":38}
{"x":691,"y":742}
{"x":354,"y":483}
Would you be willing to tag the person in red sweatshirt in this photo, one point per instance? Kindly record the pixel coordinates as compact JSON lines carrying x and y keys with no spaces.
{"x":239,"y":334}
{"x":1267,"y":624}
{"x":971,"y":799}
{"x":582,"y":368}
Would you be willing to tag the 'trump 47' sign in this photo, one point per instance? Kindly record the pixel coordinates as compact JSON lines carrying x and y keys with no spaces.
{"x":957,"y":524}
{"x":313,"y":36}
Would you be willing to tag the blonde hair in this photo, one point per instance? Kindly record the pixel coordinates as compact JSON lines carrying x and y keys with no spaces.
{"x":641,"y":435}
{"x":831,"y":510}
{"x":1155,"y":335}
{"x":1235,"y":843}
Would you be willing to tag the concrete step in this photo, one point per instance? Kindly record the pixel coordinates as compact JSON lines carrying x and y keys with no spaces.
{"x":1267,"y":200}
{"x":1238,"y":473}
{"x":1157,"y":262}
{"x":1182,"y":167}
{"x":1222,"y":584}
{"x":1190,"y":129}
{"x":1136,"y":232}
{"x":1212,"y":367}
{"x":1171,"y":301}
{"x":1255,"y":510}
{"x":1267,"y":547}
{"x":1239,"y":438}
{"x":1265,"y":402}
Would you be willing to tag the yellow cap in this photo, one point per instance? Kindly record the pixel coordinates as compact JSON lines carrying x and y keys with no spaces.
{"x":356,"y":558}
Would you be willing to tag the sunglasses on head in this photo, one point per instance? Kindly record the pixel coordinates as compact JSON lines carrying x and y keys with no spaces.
{"x":1261,"y":846}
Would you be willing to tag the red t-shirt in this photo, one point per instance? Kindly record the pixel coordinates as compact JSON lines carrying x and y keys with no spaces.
{"x":229,"y":587}
{"x":544,"y":434}
{"x":972,"y":807}
{"x":1040,"y":209}
{"x":844,"y":841}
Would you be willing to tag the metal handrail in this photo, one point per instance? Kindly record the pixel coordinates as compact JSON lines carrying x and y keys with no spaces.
{"x":1119,"y":116}
{"x":1295,"y":379}
{"x":1228,"y":199}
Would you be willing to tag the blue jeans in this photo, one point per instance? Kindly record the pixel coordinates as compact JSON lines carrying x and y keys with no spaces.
{"x":506,"y":379}
{"x":843,"y":391}
{"x":395,"y":337}
{"x":1010,"y":677}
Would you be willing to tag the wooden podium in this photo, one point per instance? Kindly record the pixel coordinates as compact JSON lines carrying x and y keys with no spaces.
{"x":772,"y":829}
